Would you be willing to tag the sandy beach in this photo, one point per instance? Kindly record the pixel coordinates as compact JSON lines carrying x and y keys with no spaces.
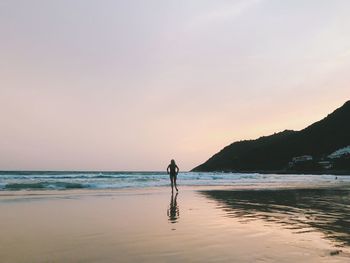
{"x":199,"y":224}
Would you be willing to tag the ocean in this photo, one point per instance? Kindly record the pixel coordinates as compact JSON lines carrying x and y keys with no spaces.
{"x":52,"y":180}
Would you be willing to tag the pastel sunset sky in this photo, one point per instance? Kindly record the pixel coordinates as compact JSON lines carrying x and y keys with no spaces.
{"x":128,"y":85}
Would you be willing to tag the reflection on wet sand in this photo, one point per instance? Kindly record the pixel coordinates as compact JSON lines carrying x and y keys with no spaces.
{"x":303,"y":210}
{"x":173,"y":209}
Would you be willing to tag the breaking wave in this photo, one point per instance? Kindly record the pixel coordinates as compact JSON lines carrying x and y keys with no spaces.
{"x":14,"y":181}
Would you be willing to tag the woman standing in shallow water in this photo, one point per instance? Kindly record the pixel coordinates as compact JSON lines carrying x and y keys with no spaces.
{"x":173,"y":170}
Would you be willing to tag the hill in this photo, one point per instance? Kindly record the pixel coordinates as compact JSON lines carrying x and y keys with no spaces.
{"x":274,"y":152}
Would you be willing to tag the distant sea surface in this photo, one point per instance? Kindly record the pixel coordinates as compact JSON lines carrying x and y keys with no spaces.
{"x":28,"y":180}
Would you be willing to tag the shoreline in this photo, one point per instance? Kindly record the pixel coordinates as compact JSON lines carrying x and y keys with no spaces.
{"x":167,"y":189}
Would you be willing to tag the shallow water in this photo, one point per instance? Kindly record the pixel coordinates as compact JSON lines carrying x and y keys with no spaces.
{"x":152,"y":225}
{"x":325,"y":210}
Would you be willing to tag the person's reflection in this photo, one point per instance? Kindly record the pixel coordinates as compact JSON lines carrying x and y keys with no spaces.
{"x":173,"y":210}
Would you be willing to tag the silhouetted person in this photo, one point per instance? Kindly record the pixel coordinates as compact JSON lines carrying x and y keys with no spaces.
{"x":173,"y":210}
{"x":173,"y":170}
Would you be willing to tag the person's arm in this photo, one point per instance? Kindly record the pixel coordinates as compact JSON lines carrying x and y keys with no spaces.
{"x":177,"y":169}
{"x":167,"y":169}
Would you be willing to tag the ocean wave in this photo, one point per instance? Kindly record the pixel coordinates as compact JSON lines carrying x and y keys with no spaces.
{"x":43,"y":185}
{"x":10,"y":181}
{"x":21,"y":176}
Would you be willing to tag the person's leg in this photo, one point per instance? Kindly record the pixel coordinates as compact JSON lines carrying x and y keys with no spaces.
{"x":175,"y":177}
{"x":172,"y":183}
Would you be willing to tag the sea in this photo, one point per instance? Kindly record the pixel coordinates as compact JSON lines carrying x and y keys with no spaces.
{"x":58,"y":180}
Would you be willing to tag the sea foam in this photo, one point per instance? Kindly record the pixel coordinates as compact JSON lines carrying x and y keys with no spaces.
{"x":117,"y":180}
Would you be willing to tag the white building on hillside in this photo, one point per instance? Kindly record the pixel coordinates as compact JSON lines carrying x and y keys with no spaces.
{"x":339,"y":153}
{"x":303,"y":158}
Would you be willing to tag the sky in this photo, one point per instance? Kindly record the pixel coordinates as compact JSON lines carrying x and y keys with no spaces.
{"x":129,"y":85}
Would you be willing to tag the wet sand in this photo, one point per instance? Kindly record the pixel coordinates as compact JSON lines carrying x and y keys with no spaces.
{"x":308,"y":224}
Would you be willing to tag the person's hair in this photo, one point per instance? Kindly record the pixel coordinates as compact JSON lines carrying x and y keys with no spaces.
{"x":172,"y":161}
